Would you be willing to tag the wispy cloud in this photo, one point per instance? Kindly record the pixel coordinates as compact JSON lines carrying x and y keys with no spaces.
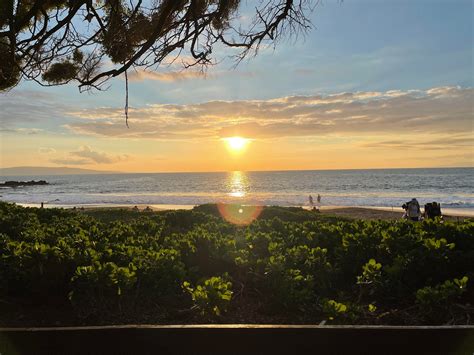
{"x":28,"y":131}
{"x":85,"y":155}
{"x":453,"y":142}
{"x":69,"y":161}
{"x":176,"y":74}
{"x":167,"y":76}
{"x":46,"y":150}
{"x":20,"y":107}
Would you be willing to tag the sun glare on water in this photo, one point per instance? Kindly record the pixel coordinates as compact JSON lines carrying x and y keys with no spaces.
{"x":236,"y":144}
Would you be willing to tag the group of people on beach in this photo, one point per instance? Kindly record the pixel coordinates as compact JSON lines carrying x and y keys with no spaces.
{"x":312,"y":205}
{"x":413,"y":210}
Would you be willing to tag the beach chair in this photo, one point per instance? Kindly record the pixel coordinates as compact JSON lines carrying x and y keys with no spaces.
{"x":432,"y":210}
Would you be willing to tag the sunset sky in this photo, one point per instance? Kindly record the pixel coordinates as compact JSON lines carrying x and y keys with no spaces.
{"x":376,"y":84}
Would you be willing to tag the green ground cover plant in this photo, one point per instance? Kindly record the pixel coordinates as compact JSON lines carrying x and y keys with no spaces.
{"x":288,"y":266}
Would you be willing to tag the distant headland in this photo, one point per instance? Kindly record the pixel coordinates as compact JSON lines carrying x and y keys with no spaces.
{"x":43,"y":171}
{"x":23,"y":183}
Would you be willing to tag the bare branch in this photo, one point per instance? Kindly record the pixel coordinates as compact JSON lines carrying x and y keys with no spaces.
{"x":56,"y":42}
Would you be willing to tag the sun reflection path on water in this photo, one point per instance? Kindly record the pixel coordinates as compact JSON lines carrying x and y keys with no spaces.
{"x":238,"y":184}
{"x":239,"y":211}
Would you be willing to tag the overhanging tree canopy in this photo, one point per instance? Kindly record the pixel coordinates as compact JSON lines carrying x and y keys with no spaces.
{"x":54,"y":42}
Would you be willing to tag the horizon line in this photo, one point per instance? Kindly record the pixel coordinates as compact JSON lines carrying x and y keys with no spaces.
{"x":111,"y":172}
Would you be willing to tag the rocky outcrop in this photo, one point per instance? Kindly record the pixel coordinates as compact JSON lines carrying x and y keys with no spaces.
{"x":23,"y":183}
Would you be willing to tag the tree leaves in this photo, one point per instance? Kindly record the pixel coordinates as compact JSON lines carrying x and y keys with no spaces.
{"x":61,"y":72}
{"x":42,"y":36}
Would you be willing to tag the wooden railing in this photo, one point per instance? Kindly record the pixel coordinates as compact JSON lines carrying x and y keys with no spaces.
{"x":238,"y":339}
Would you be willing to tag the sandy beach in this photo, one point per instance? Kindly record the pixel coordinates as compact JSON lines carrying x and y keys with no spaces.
{"x":356,"y":212}
{"x":375,"y":213}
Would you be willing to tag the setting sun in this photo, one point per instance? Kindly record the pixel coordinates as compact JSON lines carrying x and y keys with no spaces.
{"x":236,"y":144}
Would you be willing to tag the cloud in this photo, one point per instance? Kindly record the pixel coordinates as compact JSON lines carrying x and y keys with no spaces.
{"x":184,"y":74}
{"x":20,"y":107}
{"x":46,"y":150}
{"x":170,"y":76}
{"x":441,"y":110}
{"x":28,"y":131}
{"x":68,"y":161}
{"x":85,"y":155}
{"x":441,"y":143}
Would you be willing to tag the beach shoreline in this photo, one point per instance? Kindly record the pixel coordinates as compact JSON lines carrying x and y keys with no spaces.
{"x":362,"y":212}
{"x":452,"y":188}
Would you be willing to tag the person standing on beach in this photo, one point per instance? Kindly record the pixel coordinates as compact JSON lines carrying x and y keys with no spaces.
{"x":318,"y":200}
{"x":311,"y":202}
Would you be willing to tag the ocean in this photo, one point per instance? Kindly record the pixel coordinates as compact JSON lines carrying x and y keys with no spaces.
{"x":452,"y":187}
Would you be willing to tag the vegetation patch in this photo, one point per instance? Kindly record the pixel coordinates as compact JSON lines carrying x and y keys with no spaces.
{"x":65,"y":267}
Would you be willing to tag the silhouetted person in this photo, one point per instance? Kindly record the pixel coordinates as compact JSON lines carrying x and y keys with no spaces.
{"x":318,"y":202}
{"x":413,"y":210}
{"x":311,"y":202}
{"x":42,"y":204}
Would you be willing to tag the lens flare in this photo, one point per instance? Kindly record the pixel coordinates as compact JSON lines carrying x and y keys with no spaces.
{"x":240,"y":215}
{"x":237,"y":209}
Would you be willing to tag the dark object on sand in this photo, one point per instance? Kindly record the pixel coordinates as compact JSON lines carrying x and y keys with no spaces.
{"x":24,"y":183}
{"x":432,"y":210}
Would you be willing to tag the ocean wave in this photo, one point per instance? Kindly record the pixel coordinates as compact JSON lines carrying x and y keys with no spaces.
{"x":462,"y":204}
{"x":337,"y":188}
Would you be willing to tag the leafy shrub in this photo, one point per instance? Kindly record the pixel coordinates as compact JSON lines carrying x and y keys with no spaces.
{"x":334,"y":309}
{"x":434,"y":296}
{"x":160,"y":273}
{"x":100,"y":286}
{"x":371,"y":277}
{"x":435,"y":301}
{"x":211,"y":298}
